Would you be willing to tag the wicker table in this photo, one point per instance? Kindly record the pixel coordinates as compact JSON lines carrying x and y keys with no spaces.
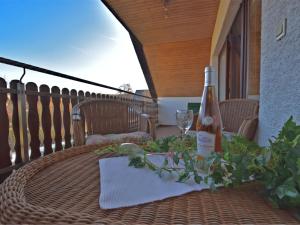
{"x":64,"y":188}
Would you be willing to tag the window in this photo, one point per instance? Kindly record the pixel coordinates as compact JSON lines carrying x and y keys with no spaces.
{"x":239,"y":59}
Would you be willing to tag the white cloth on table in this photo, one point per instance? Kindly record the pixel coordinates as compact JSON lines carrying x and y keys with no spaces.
{"x":124,"y":186}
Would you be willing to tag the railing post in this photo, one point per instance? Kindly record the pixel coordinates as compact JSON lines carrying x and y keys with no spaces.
{"x":22,"y":122}
{"x":5,"y":160}
{"x":15,"y":120}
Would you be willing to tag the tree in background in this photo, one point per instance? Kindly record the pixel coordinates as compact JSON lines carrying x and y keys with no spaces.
{"x":125,"y":87}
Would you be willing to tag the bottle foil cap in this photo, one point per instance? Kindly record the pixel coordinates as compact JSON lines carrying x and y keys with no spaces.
{"x":209,"y":73}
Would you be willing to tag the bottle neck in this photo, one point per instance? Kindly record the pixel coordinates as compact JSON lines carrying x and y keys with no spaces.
{"x":208,"y":79}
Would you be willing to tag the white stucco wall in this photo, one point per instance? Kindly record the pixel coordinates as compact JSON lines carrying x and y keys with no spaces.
{"x":280,"y":67}
{"x":167,"y":107}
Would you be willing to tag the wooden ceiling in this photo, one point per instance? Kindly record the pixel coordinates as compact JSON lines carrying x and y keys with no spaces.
{"x":176,"y":38}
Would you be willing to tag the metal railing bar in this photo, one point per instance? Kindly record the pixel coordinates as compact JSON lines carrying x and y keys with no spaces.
{"x":24,"y":72}
{"x":38,"y":93}
{"x":58,"y":74}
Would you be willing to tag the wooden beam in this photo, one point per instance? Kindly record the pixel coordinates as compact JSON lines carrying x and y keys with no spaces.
{"x":138,"y":47}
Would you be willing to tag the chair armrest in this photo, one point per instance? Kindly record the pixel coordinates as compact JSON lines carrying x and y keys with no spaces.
{"x":78,"y":127}
{"x":148,"y":125}
{"x":248,"y":128}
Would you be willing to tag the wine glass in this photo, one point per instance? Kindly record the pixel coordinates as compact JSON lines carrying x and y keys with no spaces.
{"x":184,"y":120}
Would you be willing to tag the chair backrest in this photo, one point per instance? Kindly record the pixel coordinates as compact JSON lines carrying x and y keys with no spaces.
{"x":108,"y":116}
{"x":234,"y":111}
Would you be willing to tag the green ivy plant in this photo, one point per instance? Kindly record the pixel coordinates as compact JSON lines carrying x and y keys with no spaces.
{"x":277,"y":167}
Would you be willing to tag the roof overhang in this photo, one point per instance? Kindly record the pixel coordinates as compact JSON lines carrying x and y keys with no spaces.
{"x":172,"y":39}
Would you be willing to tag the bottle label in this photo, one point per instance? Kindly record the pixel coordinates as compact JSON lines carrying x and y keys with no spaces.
{"x":207,"y":120}
{"x":205,"y":143}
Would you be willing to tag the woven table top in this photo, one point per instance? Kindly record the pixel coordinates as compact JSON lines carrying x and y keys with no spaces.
{"x":64,"y":188}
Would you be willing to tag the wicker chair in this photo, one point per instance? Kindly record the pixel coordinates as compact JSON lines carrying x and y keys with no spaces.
{"x":240,"y":116}
{"x":109,"y":119}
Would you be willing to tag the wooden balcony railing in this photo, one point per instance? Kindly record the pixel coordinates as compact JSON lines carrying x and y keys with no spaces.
{"x":36,"y":121}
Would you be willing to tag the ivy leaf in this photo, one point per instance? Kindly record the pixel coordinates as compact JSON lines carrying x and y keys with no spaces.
{"x":296,"y":141}
{"x":183,"y":177}
{"x":137,"y":162}
{"x":176,"y":158}
{"x":165,"y":162}
{"x":298,"y":164}
{"x":197,"y":178}
{"x":286,"y":191}
{"x":186,"y":157}
{"x":206,"y":179}
{"x":151,"y":166}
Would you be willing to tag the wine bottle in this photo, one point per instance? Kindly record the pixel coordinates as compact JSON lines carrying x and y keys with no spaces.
{"x":209,"y":123}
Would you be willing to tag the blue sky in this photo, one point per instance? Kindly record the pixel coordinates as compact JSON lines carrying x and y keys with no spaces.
{"x":77,"y":37}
